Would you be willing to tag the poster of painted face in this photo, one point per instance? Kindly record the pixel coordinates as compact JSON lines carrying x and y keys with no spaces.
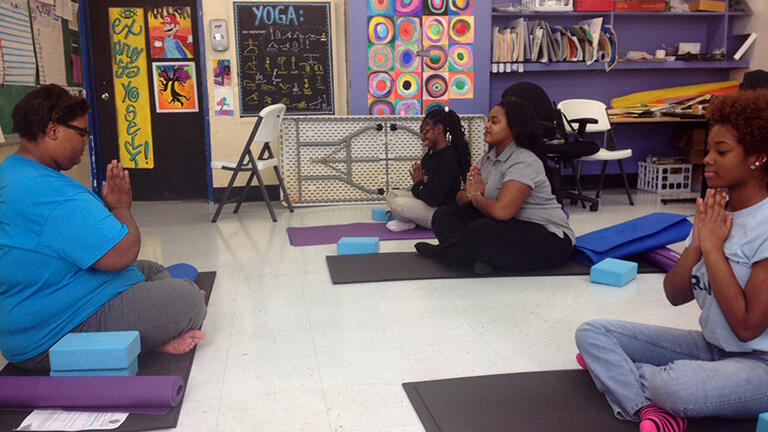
{"x":170,"y":32}
{"x":222,"y":73}
{"x":175,"y":86}
{"x":224,"y":99}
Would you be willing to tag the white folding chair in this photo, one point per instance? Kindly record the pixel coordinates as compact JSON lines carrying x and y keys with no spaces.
{"x":575,"y":109}
{"x":266,"y":130}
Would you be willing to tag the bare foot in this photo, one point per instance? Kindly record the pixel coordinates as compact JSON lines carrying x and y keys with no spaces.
{"x":181,"y":344}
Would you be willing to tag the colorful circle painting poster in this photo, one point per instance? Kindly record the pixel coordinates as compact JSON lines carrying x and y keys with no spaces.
{"x":420,"y":54}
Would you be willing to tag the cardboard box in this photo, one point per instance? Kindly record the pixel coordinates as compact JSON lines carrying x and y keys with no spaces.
{"x":707,"y":5}
{"x":692,"y":143}
{"x":640,"y":5}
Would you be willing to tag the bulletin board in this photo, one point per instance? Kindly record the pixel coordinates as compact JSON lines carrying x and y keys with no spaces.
{"x":284,"y":56}
{"x":10,"y":95}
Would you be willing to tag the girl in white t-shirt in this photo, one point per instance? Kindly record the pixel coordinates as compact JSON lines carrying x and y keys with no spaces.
{"x":658,"y":375}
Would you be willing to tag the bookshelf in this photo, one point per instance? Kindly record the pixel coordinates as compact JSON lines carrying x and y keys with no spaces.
{"x":644,"y":31}
{"x":626,"y":65}
{"x":636,"y":31}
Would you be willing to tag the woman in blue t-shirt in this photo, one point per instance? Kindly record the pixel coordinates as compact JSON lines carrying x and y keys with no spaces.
{"x":69,"y":257}
{"x":506,"y":215}
{"x":659,"y":375}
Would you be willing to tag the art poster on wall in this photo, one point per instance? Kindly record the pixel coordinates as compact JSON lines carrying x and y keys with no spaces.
{"x":131,"y":85}
{"x":222,"y":73}
{"x":170,"y":32}
{"x":419,"y":55}
{"x":175,"y":87}
{"x":224,"y":98}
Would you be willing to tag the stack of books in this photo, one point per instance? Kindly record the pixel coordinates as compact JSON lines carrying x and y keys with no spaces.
{"x":537,"y":41}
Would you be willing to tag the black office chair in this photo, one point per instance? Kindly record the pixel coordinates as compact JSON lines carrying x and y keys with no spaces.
{"x":563,"y":147}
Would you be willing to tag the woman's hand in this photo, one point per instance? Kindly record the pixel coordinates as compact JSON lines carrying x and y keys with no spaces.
{"x":116,"y":189}
{"x":117,"y":195}
{"x":475,"y":185}
{"x":417,"y":173}
{"x":711,"y":225}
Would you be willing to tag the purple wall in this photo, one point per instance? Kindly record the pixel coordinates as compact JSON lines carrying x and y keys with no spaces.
{"x":636,"y":31}
{"x":357,"y":59}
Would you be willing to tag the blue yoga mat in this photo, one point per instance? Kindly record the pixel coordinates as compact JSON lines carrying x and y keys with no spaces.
{"x":632,"y":237}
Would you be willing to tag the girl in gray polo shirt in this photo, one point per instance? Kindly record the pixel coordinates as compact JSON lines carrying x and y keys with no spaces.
{"x":506,"y":214}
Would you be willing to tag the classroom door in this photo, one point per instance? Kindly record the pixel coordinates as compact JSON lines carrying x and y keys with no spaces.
{"x":148,"y":95}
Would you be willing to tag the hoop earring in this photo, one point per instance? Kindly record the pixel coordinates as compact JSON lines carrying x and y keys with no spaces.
{"x":448,"y":137}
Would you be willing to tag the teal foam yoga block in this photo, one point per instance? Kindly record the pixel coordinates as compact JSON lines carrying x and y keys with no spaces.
{"x":98,"y":350}
{"x":131,"y":370}
{"x":357,"y":245}
{"x":380,"y":214}
{"x":762,"y":422}
{"x":612,"y":271}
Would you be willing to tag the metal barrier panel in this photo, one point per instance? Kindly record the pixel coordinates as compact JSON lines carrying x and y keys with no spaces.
{"x":355,"y":159}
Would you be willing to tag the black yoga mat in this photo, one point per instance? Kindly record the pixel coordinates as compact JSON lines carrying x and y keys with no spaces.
{"x":564,"y":400}
{"x":152,"y":363}
{"x":394,"y":266}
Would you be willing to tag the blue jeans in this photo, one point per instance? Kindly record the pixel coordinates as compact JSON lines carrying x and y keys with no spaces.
{"x":634,"y":365}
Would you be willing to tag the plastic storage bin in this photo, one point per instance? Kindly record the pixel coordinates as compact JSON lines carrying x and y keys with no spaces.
{"x":664,"y":178}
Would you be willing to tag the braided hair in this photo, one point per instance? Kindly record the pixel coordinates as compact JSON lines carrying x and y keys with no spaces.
{"x":454,"y":133}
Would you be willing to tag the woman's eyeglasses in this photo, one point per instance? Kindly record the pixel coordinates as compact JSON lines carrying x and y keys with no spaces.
{"x":83,"y":132}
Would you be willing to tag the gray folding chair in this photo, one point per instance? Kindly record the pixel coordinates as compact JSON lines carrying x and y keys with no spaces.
{"x":266,"y":130}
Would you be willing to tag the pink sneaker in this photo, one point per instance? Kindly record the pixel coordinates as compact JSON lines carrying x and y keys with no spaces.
{"x":656,"y":419}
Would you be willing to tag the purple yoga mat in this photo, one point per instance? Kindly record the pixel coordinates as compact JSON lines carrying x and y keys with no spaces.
{"x":330,"y":234}
{"x":132,"y":394}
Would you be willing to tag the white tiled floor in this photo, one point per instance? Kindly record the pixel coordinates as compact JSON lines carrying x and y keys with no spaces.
{"x":286,"y":350}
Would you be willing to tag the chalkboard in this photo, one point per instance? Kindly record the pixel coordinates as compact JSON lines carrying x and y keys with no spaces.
{"x":284,"y":56}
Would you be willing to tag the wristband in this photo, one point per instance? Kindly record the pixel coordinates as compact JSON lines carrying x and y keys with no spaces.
{"x":471,"y":194}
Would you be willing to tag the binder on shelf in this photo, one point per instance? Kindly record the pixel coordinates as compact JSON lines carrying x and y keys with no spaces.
{"x":537,"y":51}
{"x":553,"y":46}
{"x":591,"y":28}
{"x":745,"y":46}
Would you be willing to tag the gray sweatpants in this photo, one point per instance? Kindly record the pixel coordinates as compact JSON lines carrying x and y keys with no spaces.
{"x":407,"y":208}
{"x":160,"y":308}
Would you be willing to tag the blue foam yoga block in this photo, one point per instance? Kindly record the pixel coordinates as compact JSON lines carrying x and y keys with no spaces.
{"x":612,"y":271}
{"x":183,"y":271}
{"x":380,"y":214}
{"x":131,"y":370}
{"x":98,"y":350}
{"x":357,"y":245}
{"x":762,"y":422}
